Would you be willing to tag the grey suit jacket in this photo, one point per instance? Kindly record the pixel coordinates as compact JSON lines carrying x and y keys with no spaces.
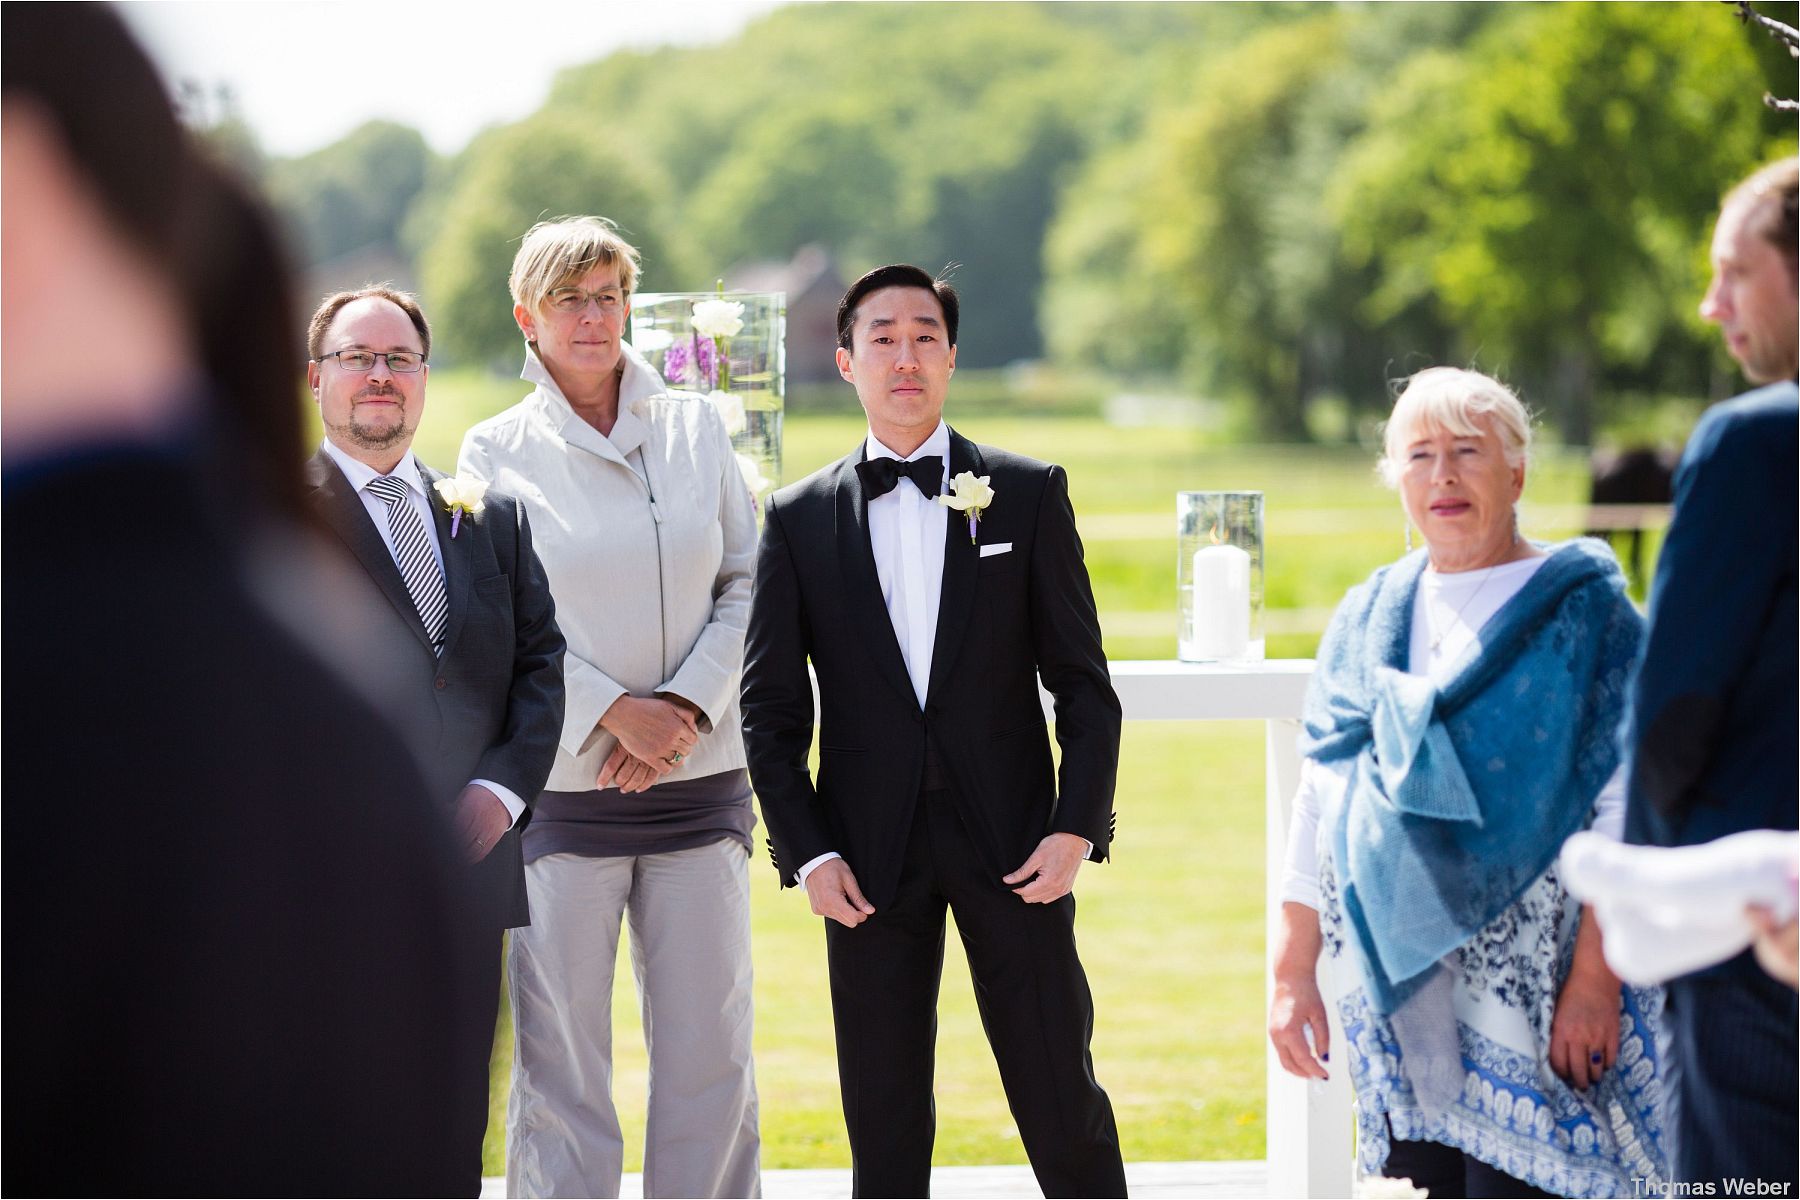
{"x":491,"y":706}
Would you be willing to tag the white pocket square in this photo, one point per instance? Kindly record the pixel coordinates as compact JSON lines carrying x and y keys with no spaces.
{"x":996,"y":548}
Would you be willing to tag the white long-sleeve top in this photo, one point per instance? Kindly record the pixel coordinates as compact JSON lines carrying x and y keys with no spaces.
{"x":1455,"y":606}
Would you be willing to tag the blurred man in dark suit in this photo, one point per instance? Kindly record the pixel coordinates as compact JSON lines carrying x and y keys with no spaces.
{"x":217,"y":938}
{"x":1715,"y":717}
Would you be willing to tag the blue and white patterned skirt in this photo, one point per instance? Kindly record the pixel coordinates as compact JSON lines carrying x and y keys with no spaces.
{"x":1514,"y":1113}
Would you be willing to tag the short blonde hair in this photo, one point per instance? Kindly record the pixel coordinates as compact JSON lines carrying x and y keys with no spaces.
{"x":1451,"y":399}
{"x":555,"y":253}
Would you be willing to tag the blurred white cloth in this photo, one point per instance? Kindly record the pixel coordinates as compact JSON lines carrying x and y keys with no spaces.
{"x":1672,"y":911}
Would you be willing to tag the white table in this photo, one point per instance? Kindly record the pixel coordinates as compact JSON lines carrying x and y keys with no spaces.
{"x":1309,"y":1123}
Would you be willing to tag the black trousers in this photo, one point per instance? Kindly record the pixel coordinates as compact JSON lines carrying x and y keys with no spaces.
{"x":1034,"y":1003}
{"x":474,"y":1010}
{"x":1732,"y":1047}
{"x":1446,"y":1171}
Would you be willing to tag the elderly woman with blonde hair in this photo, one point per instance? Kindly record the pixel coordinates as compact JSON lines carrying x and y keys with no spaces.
{"x":1462,"y":723}
{"x":648,"y":533}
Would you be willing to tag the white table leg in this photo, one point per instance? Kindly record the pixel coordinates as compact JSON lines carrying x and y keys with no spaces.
{"x":1309,"y":1123}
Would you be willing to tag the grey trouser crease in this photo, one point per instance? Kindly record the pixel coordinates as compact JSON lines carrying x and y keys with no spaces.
{"x":690,"y":950}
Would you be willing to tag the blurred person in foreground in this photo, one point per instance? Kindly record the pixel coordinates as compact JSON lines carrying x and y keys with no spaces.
{"x":1461,"y":724}
{"x":1713,"y":710}
{"x":216,"y":938}
{"x":470,"y":645}
{"x":928,"y":631}
{"x":647,"y":533}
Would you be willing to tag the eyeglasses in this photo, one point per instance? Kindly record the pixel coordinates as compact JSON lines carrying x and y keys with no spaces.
{"x":574,"y":299}
{"x":401,"y":362}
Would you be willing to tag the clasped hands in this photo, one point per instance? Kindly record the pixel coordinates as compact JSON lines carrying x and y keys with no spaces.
{"x":654,"y":733}
{"x":1048,"y":875}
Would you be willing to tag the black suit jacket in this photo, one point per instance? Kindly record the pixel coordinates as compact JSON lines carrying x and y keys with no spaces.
{"x":491,"y":707}
{"x":228,"y":900}
{"x":1004,"y":621}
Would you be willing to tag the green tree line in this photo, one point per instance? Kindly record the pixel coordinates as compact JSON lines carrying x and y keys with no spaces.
{"x":1282,"y":206}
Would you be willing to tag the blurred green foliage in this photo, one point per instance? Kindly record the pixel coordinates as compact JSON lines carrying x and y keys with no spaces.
{"x":1280,"y":207}
{"x":1329,"y":521}
{"x":354,"y":194}
{"x":549,"y":165}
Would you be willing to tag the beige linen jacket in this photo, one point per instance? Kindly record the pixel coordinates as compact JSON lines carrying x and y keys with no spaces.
{"x":651,"y":581}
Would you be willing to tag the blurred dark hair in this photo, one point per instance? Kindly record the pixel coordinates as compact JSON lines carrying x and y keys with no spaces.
{"x":244,"y":321}
{"x":81,"y":65}
{"x":195,"y":223}
{"x":895,"y":275}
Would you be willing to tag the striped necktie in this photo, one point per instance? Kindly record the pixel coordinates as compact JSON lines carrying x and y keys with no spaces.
{"x":412,"y":554}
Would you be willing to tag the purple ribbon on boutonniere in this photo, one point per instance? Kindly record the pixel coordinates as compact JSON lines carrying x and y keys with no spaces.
{"x":462,"y":494}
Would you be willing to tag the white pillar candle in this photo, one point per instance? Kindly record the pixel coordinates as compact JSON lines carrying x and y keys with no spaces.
{"x":1221,"y":602}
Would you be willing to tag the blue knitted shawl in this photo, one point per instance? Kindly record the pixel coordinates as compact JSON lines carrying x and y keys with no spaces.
{"x":1460,"y":797}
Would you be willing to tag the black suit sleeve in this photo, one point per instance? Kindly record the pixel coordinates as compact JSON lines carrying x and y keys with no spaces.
{"x":778,"y":707}
{"x":1065,"y":634}
{"x":522,"y":755}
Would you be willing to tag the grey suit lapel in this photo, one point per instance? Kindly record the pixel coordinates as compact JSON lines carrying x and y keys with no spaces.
{"x":862,"y":585}
{"x":956,"y":602}
{"x":343,"y":511}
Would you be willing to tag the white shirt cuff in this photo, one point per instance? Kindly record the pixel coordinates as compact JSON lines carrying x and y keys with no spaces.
{"x":1087,"y":854}
{"x":803,"y":872}
{"x":514,"y":805}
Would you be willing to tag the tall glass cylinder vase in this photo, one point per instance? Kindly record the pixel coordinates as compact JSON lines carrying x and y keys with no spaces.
{"x":1219,"y":576}
{"x":732,"y":348}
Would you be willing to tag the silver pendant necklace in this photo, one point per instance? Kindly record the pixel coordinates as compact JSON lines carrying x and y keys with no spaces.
{"x":1438,"y":635}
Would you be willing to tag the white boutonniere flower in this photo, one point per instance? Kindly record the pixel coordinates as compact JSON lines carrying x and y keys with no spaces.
{"x":461,"y":495}
{"x":718,"y":318}
{"x":731,"y":408}
{"x":969,"y":494}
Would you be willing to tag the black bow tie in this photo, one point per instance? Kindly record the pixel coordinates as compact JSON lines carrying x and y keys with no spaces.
{"x":881,"y":475}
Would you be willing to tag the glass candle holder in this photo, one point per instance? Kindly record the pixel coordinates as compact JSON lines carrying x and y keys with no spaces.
{"x":731,"y":347}
{"x":1219,"y":576}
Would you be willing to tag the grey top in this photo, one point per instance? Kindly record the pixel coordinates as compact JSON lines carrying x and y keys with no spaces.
{"x":677,"y":815}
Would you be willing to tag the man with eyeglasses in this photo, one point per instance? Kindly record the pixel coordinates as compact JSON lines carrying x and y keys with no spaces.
{"x":466,"y":634}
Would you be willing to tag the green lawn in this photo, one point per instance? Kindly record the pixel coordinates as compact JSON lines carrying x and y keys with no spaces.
{"x":1172,"y":931}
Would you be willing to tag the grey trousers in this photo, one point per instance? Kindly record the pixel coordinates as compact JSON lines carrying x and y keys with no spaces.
{"x":690,"y":948}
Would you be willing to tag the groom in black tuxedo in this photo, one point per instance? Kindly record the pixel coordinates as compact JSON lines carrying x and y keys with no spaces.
{"x":928,"y":627}
{"x":462,"y":642}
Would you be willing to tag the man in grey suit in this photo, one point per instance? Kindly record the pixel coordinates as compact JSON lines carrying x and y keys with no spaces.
{"x":465,"y":647}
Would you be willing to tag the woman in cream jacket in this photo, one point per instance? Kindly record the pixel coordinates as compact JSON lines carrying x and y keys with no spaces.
{"x":648,"y":534}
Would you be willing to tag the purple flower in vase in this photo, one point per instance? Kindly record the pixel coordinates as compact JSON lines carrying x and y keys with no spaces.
{"x":690,"y":360}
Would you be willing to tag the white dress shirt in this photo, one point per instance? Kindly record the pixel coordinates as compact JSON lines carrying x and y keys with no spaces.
{"x":906,"y":532}
{"x":361,"y":475}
